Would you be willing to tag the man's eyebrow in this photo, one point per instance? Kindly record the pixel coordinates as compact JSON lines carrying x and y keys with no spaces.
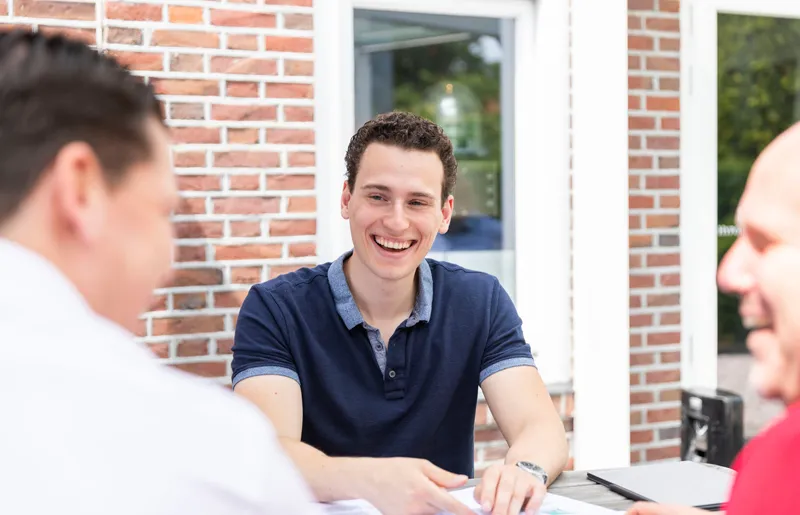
{"x":422,"y":194}
{"x":381,"y":187}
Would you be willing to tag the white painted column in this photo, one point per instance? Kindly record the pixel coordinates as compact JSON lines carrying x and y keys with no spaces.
{"x":600,"y":233}
{"x":334,"y":112}
{"x":542,"y":204}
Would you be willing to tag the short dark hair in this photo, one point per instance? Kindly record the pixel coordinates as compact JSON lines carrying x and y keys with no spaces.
{"x":54,"y":91}
{"x":407,"y":131}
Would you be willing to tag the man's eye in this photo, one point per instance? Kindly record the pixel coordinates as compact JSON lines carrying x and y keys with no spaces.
{"x":376,"y":197}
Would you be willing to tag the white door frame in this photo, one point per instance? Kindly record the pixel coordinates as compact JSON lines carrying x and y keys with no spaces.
{"x":699,"y":178}
{"x":600,"y":240}
{"x":541,"y":128}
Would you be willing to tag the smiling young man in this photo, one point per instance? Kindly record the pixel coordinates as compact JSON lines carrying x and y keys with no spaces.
{"x":763,"y":269}
{"x":369,"y":366}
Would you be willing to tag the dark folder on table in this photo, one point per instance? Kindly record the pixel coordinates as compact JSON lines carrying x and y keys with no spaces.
{"x":684,"y":483}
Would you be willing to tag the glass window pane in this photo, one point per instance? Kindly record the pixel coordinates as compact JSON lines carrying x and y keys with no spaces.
{"x":456,"y":71}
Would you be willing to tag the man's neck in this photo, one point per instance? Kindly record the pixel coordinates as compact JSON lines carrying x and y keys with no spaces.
{"x":44,"y":241}
{"x":378,"y":299}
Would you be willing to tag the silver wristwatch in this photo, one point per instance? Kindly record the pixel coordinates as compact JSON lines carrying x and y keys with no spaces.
{"x":533,"y":469}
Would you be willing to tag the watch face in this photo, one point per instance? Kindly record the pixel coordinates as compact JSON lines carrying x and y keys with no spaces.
{"x":534,"y":469}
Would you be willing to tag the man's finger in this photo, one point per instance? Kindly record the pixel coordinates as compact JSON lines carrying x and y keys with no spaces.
{"x":489,"y":488}
{"x":476,"y":494}
{"x":522,"y":490}
{"x":442,"y":477}
{"x":535,"y":502}
{"x":445,"y":502}
{"x":645,"y":508}
{"x":505,"y":489}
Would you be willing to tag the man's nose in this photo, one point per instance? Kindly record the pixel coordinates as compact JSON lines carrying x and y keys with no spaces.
{"x":396,"y":220}
{"x":735,"y":274}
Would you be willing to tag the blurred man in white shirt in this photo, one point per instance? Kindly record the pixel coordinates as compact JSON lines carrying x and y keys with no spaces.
{"x":91,"y":423}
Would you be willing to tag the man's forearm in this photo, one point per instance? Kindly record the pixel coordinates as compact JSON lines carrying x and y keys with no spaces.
{"x":330,"y":479}
{"x":545,"y":445}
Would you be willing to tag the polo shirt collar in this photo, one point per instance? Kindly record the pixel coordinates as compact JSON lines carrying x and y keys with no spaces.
{"x":346,"y":305}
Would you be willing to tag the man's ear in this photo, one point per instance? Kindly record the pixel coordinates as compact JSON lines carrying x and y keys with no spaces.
{"x":345,"y":201}
{"x":447,"y":214}
{"x":80,"y":195}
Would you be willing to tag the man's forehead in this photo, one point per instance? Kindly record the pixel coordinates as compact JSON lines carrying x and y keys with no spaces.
{"x":400,"y":169}
{"x":776,"y":172}
{"x":770,"y":208}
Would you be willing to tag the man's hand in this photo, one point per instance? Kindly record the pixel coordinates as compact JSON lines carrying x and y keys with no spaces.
{"x":651,"y":508}
{"x":410,"y":486}
{"x":504,"y":489}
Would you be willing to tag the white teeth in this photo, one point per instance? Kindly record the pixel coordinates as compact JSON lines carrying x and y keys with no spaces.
{"x":755,"y":322}
{"x":392,"y":244}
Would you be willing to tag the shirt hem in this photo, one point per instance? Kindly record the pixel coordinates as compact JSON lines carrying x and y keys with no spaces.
{"x":265,"y":371}
{"x":507,"y":363}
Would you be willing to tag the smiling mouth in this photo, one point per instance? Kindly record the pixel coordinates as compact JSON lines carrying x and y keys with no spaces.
{"x":396,"y":246}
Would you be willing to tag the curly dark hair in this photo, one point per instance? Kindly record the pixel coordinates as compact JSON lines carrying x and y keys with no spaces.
{"x":407,"y":131}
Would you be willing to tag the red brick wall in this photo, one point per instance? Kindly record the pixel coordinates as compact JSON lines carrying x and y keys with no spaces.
{"x":654,"y":121}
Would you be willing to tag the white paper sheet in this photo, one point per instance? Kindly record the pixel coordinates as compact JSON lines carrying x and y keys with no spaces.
{"x":552,"y":505}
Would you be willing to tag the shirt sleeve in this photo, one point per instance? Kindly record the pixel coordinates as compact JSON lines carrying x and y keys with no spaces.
{"x":260,"y":343}
{"x":506,"y":346}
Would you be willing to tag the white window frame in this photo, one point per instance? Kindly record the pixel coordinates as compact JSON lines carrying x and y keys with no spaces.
{"x":541,"y":128}
{"x":600,"y":239}
{"x":698,"y":233}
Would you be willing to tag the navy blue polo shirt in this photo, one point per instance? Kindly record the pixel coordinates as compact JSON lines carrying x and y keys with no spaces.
{"x":415,"y":397}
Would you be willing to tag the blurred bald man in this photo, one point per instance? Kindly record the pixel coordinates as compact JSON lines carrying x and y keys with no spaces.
{"x":763,"y":269}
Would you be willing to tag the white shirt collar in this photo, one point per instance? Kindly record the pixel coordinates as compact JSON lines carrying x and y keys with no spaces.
{"x":28,"y":277}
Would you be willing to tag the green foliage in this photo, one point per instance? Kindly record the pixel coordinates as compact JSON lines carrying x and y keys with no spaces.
{"x":418,"y":69}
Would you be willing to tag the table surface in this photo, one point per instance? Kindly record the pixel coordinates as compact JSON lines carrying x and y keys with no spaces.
{"x":573,"y":484}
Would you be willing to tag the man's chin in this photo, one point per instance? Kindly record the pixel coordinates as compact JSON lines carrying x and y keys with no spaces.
{"x":395,"y":273}
{"x":760,"y":381}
